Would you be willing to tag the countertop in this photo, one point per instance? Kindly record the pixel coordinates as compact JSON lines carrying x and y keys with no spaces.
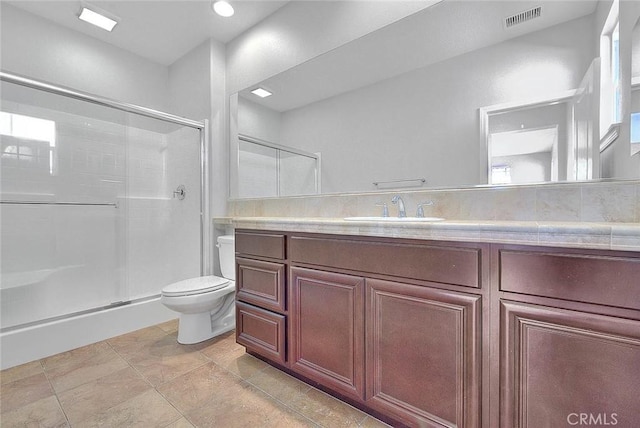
{"x":609,"y":236}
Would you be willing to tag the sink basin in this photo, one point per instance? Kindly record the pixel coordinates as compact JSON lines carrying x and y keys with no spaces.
{"x":394,"y":219}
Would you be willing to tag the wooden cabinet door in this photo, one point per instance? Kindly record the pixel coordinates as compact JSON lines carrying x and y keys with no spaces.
{"x":423,"y":354}
{"x":568,"y":368}
{"x":326,"y":321}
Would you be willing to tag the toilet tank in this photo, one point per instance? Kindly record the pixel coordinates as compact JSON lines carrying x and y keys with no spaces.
{"x":227,"y":251}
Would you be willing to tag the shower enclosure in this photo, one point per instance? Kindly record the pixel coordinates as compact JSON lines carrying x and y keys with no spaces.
{"x":102,"y":203}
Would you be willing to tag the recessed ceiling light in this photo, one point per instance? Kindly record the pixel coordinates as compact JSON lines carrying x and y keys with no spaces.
{"x":223,"y":8}
{"x":261,"y":92}
{"x":97,"y":19}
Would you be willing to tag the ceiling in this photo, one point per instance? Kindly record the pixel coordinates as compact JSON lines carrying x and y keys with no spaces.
{"x":161,"y":31}
{"x":524,"y":142}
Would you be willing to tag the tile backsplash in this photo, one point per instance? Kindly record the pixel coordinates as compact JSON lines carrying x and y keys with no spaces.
{"x":605,"y":201}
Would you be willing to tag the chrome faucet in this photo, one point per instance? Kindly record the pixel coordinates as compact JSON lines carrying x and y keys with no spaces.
{"x":398,"y":200}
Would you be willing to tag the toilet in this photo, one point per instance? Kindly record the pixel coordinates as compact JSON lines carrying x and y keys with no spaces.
{"x":206,"y":303}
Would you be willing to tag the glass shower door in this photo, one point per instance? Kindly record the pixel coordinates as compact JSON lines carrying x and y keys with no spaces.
{"x":163,"y":224}
{"x":62,"y":171}
{"x":99,"y":206}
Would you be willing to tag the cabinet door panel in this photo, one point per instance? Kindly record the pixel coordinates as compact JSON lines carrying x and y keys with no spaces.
{"x":423,"y":354}
{"x":562,"y":368}
{"x":327,"y":329}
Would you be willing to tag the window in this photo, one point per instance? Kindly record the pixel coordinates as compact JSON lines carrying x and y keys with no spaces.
{"x":500,"y":174}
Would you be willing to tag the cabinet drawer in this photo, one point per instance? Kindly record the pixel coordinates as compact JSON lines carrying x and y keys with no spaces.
{"x":445,"y":264}
{"x":261,"y":283}
{"x":587,"y":277}
{"x":261,"y":331}
{"x":270,"y":245}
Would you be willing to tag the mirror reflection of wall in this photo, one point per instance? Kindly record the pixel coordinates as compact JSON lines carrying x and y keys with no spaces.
{"x":265,"y":168}
{"x":258,"y":173}
{"x":635,"y":90}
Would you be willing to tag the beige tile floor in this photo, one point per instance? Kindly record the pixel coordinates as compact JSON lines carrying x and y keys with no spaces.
{"x":146,"y":379}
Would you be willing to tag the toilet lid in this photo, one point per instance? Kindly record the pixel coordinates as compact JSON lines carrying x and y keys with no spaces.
{"x":197,"y":285}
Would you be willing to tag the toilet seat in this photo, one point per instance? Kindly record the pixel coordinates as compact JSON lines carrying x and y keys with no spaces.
{"x":193,"y":286}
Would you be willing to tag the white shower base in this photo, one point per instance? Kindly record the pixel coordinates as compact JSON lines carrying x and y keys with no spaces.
{"x":42,"y":340}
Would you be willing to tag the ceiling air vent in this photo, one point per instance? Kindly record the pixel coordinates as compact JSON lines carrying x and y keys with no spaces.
{"x":521,"y":17}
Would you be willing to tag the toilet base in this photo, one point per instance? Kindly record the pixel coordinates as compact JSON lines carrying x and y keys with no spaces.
{"x":196,"y":328}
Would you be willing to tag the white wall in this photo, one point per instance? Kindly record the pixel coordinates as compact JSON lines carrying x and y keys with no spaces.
{"x":40,"y":49}
{"x":302,"y":30}
{"x":529,"y":168}
{"x":197,"y":91}
{"x":426,"y":120}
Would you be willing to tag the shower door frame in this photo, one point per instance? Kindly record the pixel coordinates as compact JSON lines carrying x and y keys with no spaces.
{"x":202,"y":127}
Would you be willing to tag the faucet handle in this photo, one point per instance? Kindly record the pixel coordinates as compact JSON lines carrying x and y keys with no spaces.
{"x":385,"y":208}
{"x":420,"y":211}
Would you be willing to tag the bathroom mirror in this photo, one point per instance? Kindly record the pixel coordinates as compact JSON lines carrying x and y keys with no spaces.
{"x":415,"y":104}
{"x":635,"y":90}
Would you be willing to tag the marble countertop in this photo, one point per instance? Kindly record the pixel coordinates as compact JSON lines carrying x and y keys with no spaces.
{"x":609,"y":236}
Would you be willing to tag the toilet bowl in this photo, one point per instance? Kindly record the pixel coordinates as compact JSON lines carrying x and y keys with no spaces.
{"x":206,"y":304}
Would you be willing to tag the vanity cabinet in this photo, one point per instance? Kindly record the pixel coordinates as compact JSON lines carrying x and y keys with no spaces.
{"x":441,"y":334}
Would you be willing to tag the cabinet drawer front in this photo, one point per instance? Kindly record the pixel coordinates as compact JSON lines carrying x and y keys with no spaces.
{"x":261,"y":283}
{"x":269,"y":245}
{"x":450,"y":265}
{"x":588,"y":278}
{"x":261,"y":331}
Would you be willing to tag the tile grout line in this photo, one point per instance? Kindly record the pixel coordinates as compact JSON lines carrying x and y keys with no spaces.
{"x":282,"y":402}
{"x":151,"y":386}
{"x":55,"y":393}
{"x":129,"y":364}
{"x":154,"y":387}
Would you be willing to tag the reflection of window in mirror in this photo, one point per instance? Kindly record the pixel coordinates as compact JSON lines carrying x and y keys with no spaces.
{"x":635,"y":90}
{"x":529,"y":144}
{"x":500,"y":174}
{"x":610,"y":104}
